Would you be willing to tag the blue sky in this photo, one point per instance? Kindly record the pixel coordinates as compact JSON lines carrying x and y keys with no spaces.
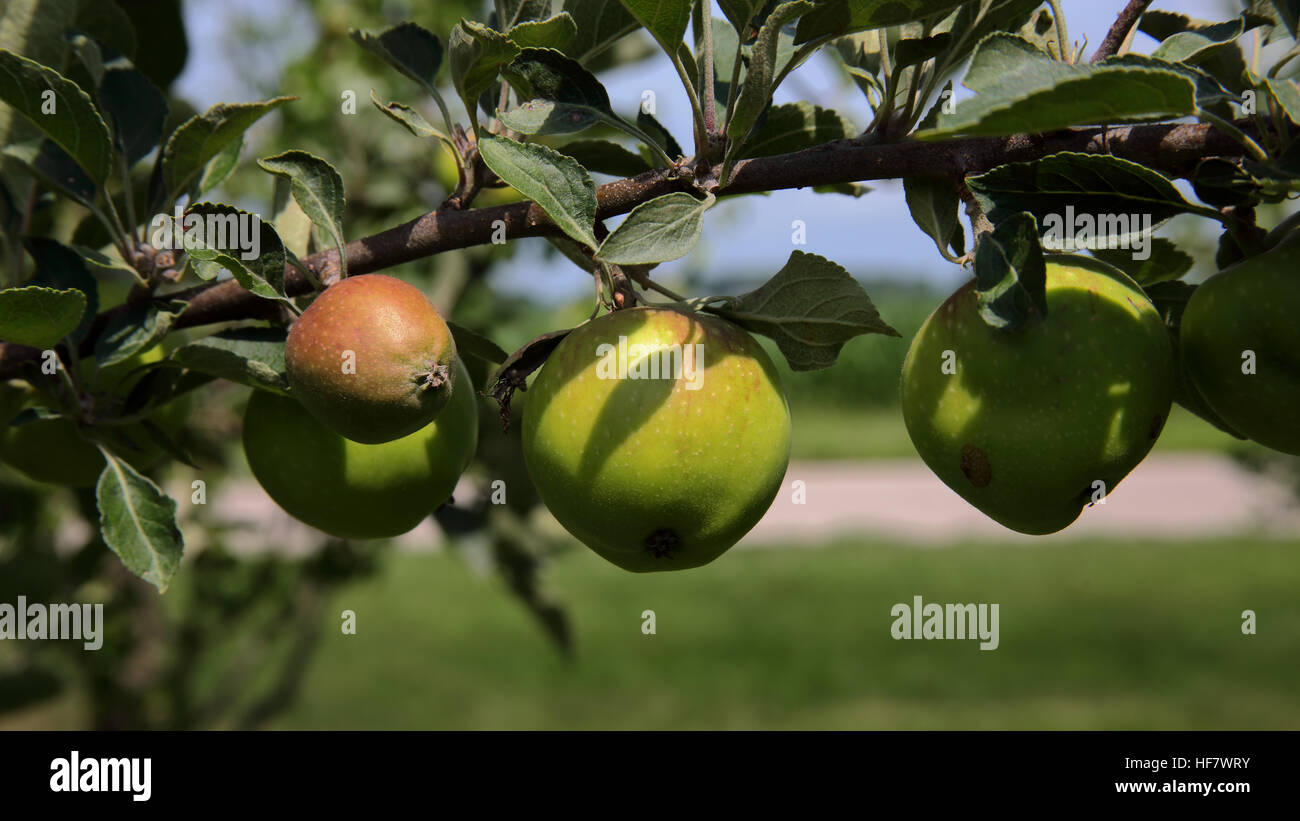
{"x":745,"y":238}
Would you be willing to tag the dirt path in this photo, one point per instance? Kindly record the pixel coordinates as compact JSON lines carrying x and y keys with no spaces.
{"x":1171,"y":497}
{"x":1167,"y":497}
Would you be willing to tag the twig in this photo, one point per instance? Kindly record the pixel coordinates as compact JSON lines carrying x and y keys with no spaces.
{"x":1120,"y":29}
{"x":1173,"y":149}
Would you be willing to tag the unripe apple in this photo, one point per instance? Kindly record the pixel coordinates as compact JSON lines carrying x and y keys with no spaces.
{"x":371,"y":359}
{"x":353,"y":490}
{"x":657,"y":437}
{"x":1029,"y":427}
{"x":1240,"y":341}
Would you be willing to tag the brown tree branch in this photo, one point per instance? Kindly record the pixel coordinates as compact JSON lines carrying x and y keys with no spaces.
{"x":1171,"y":148}
{"x":1120,"y":29}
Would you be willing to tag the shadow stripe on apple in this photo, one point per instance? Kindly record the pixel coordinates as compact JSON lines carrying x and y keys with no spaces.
{"x":649,"y":473}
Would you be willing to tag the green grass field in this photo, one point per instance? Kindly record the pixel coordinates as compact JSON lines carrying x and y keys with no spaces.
{"x":1093,"y":635}
{"x":829,"y":432}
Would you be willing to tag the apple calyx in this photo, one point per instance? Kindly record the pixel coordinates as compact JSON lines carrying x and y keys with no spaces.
{"x":435,"y":377}
{"x":662,"y":542}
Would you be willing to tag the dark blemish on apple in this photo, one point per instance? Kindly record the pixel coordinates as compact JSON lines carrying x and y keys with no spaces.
{"x":975,"y":466}
{"x":662,"y":542}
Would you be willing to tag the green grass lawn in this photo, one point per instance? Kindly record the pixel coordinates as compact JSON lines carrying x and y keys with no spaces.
{"x":1093,"y":635}
{"x":829,"y":432}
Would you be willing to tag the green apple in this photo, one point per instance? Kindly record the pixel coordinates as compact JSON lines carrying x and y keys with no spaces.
{"x":657,"y":469}
{"x":354,"y":490}
{"x":1240,"y":341}
{"x":1030,"y":427}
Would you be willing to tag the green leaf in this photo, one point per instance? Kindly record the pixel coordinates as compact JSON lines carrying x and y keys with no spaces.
{"x":92,"y":59}
{"x":205,"y":269}
{"x":1208,"y":91}
{"x":558,"y":185}
{"x":318,"y":190}
{"x":549,"y":74}
{"x":61,"y":110}
{"x":835,"y":17}
{"x":561,"y":97}
{"x":601,"y":23}
{"x":1065,"y":185}
{"x":1288,"y":13}
{"x":657,"y":230}
{"x":666,"y":20}
{"x":795,"y":126}
{"x":293,"y":226}
{"x":135,"y":110}
{"x":1285,"y":94}
{"x":407,"y":117}
{"x":1165,"y":262}
{"x":648,"y":124}
{"x":725,"y":45}
{"x":810,"y":309}
{"x":164,"y":441}
{"x":740,"y":13}
{"x":934,"y":205}
{"x":101,"y":260}
{"x":411,"y":49}
{"x":203,"y":137}
{"x":55,"y":168}
{"x":1226,"y":64}
{"x":909,"y":52}
{"x":476,"y":344}
{"x":554,"y":32}
{"x":605,"y":157}
{"x":218,"y":168}
{"x":248,"y":356}
{"x":39,"y":317}
{"x":1221,"y":182}
{"x":975,"y":21}
{"x":108,"y":24}
{"x":756,"y":92}
{"x":543,"y":117}
{"x":61,"y":268}
{"x":477,"y":54}
{"x":519,"y":11}
{"x":1022,"y":90}
{"x":136,"y":329}
{"x":1011,"y":275}
{"x":1188,"y":46}
{"x":262,"y":273}
{"x":138,"y":522}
